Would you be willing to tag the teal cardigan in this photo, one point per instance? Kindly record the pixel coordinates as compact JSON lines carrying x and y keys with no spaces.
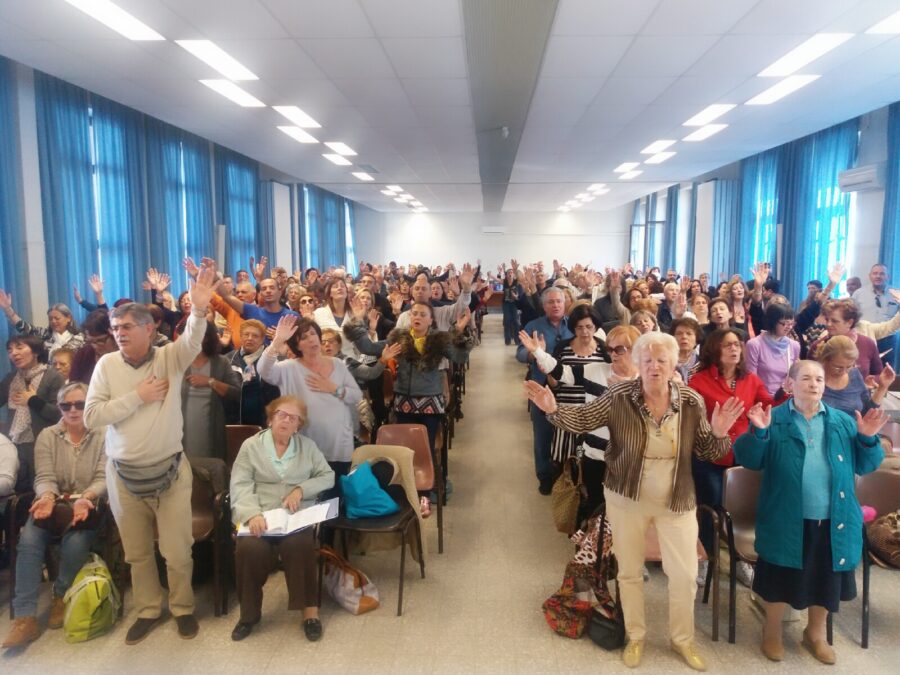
{"x":779,"y":453}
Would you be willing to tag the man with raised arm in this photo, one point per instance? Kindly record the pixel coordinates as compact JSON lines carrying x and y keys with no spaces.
{"x":136,"y":393}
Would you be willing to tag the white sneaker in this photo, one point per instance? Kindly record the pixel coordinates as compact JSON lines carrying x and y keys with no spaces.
{"x":702,"y":570}
{"x":745,"y":573}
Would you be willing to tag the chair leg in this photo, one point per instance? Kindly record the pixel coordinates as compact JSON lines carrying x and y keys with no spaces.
{"x":829,"y":628}
{"x":321,"y":569}
{"x":867,"y":565}
{"x":419,"y":545}
{"x":402,"y":570}
{"x":217,"y":578}
{"x":732,"y":597}
{"x":344,"y":548}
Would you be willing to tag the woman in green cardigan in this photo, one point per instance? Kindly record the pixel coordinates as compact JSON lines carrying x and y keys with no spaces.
{"x":808,"y":522}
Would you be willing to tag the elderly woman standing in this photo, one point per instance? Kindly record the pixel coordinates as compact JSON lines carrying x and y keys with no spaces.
{"x":277,"y":468}
{"x":808,"y":522}
{"x":61,"y":331}
{"x":655,"y":426}
{"x":70,"y":461}
{"x":845,"y":388}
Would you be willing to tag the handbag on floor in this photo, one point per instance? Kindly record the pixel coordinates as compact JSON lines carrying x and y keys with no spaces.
{"x":92,"y":602}
{"x":565,"y":496}
{"x":348,"y":586}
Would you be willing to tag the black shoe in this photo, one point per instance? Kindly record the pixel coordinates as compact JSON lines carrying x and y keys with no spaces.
{"x":546,"y":486}
{"x":241,"y":630}
{"x":140,"y":629}
{"x":313,"y":629}
{"x":187,"y":626}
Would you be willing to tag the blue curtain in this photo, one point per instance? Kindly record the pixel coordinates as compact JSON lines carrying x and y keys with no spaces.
{"x":119,"y":157}
{"x":811,"y":206}
{"x":165,"y":194}
{"x":324,"y":228}
{"x":199,"y":228}
{"x":890,"y":224}
{"x":692,"y":232}
{"x":13,"y":274}
{"x":67,"y":191}
{"x":653,"y":239}
{"x":265,"y":223}
{"x":670,"y":234}
{"x":759,"y":207}
{"x":725,"y":234}
{"x":350,"y":235}
{"x":237,"y":180}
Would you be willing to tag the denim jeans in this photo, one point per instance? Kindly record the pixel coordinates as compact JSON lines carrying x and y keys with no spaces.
{"x":33,"y":540}
{"x":709,"y":479}
{"x":510,"y":323}
{"x":543,"y":437}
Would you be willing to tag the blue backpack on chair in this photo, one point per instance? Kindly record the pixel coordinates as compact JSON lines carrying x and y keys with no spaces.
{"x":364,"y":496}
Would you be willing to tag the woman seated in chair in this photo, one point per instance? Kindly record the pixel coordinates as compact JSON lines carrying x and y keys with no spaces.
{"x":277,"y":468}
{"x":69,"y":460}
{"x":808,"y":522}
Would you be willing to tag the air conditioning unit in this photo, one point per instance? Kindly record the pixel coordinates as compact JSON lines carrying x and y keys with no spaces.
{"x":862,"y":178}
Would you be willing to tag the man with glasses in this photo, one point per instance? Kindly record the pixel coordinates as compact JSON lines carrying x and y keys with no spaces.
{"x":878,"y":303}
{"x":136,"y":393}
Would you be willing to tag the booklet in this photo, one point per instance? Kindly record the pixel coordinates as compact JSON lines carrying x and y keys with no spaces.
{"x":281,"y":522}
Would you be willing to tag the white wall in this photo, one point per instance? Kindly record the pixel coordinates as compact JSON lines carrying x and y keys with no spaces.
{"x":703,"y":242}
{"x":868,"y":206}
{"x":683,"y":224}
{"x":284,"y":250}
{"x":598,"y":238}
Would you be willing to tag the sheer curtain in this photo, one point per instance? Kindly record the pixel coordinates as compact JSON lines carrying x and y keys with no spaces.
{"x":890,"y":225}
{"x":726,"y":232}
{"x":671,"y":232}
{"x":67,"y":198}
{"x":811,"y":205}
{"x":236,"y":206}
{"x":118,"y":134}
{"x":265,"y":223}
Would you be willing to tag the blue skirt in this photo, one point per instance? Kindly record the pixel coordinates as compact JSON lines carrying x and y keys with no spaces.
{"x":816,"y":584}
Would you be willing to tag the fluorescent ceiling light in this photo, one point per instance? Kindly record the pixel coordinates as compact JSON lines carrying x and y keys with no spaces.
{"x":596,"y":187}
{"x":416,"y":203}
{"x":422,"y":209}
{"x":298,"y":134}
{"x":113,"y":16}
{"x":564,"y":209}
{"x":231,"y":91}
{"x":659,"y":157}
{"x":587,"y":199}
{"x":626,"y":166}
{"x":704,"y":132}
{"x":574,"y":205}
{"x":889,"y":26}
{"x":708,"y":114}
{"x":395,"y":188}
{"x":602,"y":192}
{"x":628,"y":175}
{"x":406,"y":195}
{"x":341,"y":148}
{"x":297,"y":116}
{"x":572,"y":202}
{"x":402,"y":200}
{"x":656,"y":146}
{"x":217,"y":58}
{"x":362,"y":175}
{"x":582,"y":195}
{"x":778,"y":91}
{"x":805,"y":53}
{"x":389,"y":193}
{"x":337,"y":159}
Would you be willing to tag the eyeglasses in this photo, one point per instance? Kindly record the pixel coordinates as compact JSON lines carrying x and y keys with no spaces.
{"x":97,"y":340}
{"x":119,"y":327}
{"x":329,"y":341}
{"x":66,"y":407}
{"x":306,"y":301}
{"x":284,"y":415}
{"x":618,"y":350}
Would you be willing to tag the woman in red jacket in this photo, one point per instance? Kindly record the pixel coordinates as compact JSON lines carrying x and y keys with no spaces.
{"x":722,"y":374}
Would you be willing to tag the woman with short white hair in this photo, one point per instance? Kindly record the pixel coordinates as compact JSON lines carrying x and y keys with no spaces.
{"x":655,"y":425}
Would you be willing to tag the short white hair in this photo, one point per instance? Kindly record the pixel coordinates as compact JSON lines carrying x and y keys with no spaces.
{"x":652,"y":340}
{"x":550,"y":290}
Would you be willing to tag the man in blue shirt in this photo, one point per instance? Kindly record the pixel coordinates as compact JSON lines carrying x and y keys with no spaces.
{"x":876,"y":305}
{"x":552,"y":328}
{"x":271,"y":310}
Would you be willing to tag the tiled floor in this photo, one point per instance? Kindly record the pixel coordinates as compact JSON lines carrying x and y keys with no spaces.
{"x":479,"y":609}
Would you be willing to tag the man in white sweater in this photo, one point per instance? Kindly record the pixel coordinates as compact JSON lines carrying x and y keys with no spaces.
{"x":136,"y":393}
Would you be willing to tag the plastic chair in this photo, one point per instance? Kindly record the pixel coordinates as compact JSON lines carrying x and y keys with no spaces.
{"x":415,"y":437}
{"x":235,"y":435}
{"x":740,"y":492}
{"x":881,"y":491}
{"x":211,"y":521}
{"x":891,"y":430}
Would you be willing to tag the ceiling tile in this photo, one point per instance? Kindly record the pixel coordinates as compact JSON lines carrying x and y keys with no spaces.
{"x":227,"y":19}
{"x":373,"y":92}
{"x":566,"y":91}
{"x":271,"y":59}
{"x":584,"y":57}
{"x":437,"y":91}
{"x":663,"y":55}
{"x":427,"y":57}
{"x":346,"y":58}
{"x":414,"y":18}
{"x":696,"y":17}
{"x":743,"y":55}
{"x":774,"y":17}
{"x":317,"y":19}
{"x":589,"y":17}
{"x":634,"y":90}
{"x":443,"y":117}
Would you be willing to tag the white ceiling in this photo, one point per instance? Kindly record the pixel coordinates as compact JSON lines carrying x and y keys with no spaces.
{"x":389,"y":78}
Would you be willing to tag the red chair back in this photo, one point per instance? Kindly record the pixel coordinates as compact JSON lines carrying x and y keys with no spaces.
{"x":414,"y":437}
{"x":235,"y":435}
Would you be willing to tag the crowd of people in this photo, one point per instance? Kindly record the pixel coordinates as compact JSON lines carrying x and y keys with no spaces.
{"x":656,"y":384}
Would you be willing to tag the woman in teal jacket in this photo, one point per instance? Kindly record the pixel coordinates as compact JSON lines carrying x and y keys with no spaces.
{"x":808,"y":522}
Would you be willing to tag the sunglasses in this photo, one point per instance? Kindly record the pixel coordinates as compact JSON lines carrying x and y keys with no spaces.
{"x":618,"y":350}
{"x":66,"y":407}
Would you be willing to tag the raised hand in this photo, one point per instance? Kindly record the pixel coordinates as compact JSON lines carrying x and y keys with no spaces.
{"x":466,"y":276}
{"x":96,"y":284}
{"x":760,"y":416}
{"x":541,"y":396}
{"x":151,"y":388}
{"x":760,"y":273}
{"x":372,"y":317}
{"x":463,"y":320}
{"x":886,"y":378}
{"x":532,"y":342}
{"x":76,"y":293}
{"x":287,"y":326}
{"x":152,"y":277}
{"x":357,"y":308}
{"x":872,"y":422}
{"x":5,"y":301}
{"x":202,"y":289}
{"x":190,"y":267}
{"x":514,"y":264}
{"x":164,"y":281}
{"x":392,"y":351}
{"x":724,"y":416}
{"x":396,"y":303}
{"x":259,"y":270}
{"x":836,"y":273}
{"x":453,"y":285}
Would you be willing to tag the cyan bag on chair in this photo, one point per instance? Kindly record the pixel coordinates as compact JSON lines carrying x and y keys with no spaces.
{"x":363,"y":496}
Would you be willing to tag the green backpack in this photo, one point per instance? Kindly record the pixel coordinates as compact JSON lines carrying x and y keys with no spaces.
{"x":92,"y":603}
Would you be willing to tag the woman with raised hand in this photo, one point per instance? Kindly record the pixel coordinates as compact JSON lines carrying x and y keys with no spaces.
{"x":60,"y":332}
{"x":771,"y":353}
{"x":808,"y":521}
{"x":656,"y":425}
{"x":845,"y":387}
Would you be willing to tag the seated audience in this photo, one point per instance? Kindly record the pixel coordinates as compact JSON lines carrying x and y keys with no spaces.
{"x":278,"y":468}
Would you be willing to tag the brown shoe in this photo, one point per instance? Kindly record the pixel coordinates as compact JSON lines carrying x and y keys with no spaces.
{"x":57,"y":613}
{"x":820,"y":649}
{"x":772,"y":647}
{"x":23,"y":631}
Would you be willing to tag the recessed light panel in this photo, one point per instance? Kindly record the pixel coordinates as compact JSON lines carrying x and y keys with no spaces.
{"x":297,"y":116}
{"x":656,"y":146}
{"x":395,"y":188}
{"x":298,"y":134}
{"x":231,"y":91}
{"x":596,"y":186}
{"x":704,"y":132}
{"x":659,"y":158}
{"x":113,"y":16}
{"x":337,"y":159}
{"x":362,"y":175}
{"x":341,"y":148}
{"x":805,"y":53}
{"x":628,"y":175}
{"x":217,"y":58}
{"x":889,"y":26}
{"x":786,"y":86}
{"x":708,"y":114}
{"x":389,"y":193}
{"x":626,"y":166}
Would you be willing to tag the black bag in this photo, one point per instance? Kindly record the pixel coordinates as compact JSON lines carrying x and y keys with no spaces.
{"x":605,"y":632}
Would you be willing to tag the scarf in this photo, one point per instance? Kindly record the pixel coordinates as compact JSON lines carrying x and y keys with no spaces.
{"x":20,"y":430}
{"x":778,"y":345}
{"x":418,"y":342}
{"x":250,"y":359}
{"x":58,"y":340}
